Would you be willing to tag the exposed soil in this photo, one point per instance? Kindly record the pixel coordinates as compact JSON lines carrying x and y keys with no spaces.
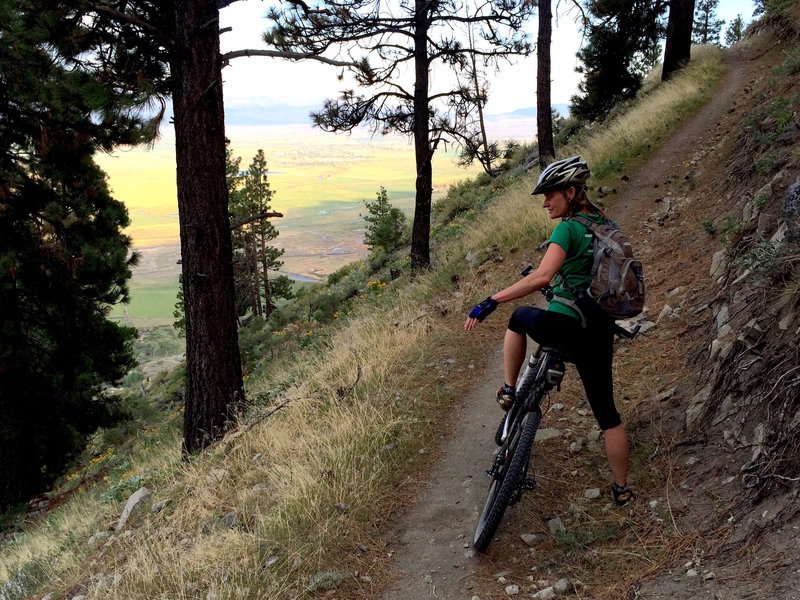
{"x":608,"y":552}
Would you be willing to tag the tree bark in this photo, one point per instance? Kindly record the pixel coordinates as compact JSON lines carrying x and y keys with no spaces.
{"x":544,"y":114}
{"x":213,"y":364}
{"x":423,"y":152}
{"x":256,"y":282}
{"x":678,"y":47}
{"x":265,"y":265}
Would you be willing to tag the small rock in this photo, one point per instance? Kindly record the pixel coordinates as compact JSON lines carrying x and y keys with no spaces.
{"x":675,"y":292}
{"x":562,"y":586}
{"x":722,"y":317}
{"x":591,"y":493}
{"x":324,"y":581}
{"x":215,"y":476}
{"x":719,"y":262}
{"x":97,"y":539}
{"x":341,"y":506}
{"x":697,"y":406}
{"x":272,"y":560}
{"x":576,"y":446}
{"x":594,"y":435}
{"x":708,"y":576}
{"x":783,"y":325}
{"x":259,"y":488}
{"x":780,"y":235}
{"x":500,"y":574}
{"x":557,"y":407}
{"x":665,"y":312}
{"x":556,"y":526}
{"x":531,"y":539}
{"x":159,"y":505}
{"x":547,"y":433}
{"x":230,"y":519}
{"x":512,"y":590}
{"x":547,"y":593}
{"x":691,"y":573}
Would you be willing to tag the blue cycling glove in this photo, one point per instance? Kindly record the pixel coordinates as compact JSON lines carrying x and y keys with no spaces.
{"x":483,"y":310}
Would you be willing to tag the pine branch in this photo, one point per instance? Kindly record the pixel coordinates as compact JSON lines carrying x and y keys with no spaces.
{"x":109,"y":11}
{"x":256,"y":217}
{"x":228,"y":56}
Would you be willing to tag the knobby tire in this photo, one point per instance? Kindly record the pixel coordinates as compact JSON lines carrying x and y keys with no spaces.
{"x":522,"y":396}
{"x":502,"y":490}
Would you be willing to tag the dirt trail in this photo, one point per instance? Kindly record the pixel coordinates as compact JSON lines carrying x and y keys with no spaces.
{"x":431,"y":546}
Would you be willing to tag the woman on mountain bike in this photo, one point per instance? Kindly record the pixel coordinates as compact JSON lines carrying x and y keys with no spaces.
{"x":569,"y":254}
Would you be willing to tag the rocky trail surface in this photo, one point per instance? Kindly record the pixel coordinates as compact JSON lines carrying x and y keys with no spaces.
{"x":660,"y":206}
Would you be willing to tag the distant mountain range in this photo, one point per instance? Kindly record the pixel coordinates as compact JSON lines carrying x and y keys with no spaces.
{"x":256,"y":112}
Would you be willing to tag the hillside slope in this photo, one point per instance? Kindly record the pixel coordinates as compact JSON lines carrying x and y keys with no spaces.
{"x":713,"y":469}
{"x":357,"y":472}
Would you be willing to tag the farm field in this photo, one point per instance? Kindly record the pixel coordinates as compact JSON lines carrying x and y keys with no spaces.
{"x":320,"y":181}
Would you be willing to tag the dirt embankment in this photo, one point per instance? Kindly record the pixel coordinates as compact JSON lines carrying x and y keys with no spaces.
{"x":709,"y":393}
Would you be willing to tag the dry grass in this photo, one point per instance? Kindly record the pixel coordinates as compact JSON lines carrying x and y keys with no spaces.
{"x":300,"y":489}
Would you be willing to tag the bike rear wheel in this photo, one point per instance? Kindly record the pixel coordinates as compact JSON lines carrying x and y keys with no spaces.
{"x":504,"y":486}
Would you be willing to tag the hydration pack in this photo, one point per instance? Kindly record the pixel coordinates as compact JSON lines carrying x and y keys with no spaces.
{"x":617,"y":284}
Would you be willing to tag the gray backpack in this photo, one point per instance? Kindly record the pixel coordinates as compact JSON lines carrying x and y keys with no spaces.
{"x":617,"y":283}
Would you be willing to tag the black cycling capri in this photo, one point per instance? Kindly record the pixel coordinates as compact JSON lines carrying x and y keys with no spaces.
{"x":590,"y":348}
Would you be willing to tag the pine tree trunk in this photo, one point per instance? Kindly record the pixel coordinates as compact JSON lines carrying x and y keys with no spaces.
{"x":423,"y":153}
{"x":213,"y":364}
{"x":677,"y":50}
{"x":487,"y":160}
{"x":265,"y":277}
{"x":544,"y":114}
{"x":252,"y":290}
{"x":257,"y":311}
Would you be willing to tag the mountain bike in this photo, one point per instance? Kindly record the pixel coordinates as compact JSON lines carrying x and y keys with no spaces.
{"x":517,"y":430}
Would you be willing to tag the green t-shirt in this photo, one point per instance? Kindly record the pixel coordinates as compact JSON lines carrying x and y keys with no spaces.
{"x":576,"y":240}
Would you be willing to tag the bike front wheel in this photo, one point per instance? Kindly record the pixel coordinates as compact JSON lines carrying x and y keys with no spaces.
{"x":505,"y":485}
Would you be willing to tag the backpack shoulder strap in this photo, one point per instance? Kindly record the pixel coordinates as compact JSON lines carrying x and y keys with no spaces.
{"x":589,"y":224}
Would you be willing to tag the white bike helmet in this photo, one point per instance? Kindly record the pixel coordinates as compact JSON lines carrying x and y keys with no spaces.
{"x":562,"y":174}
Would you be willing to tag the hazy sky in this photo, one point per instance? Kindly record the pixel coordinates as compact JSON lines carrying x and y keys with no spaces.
{"x":288,"y":90}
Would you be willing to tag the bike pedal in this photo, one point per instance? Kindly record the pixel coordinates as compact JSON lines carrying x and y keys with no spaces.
{"x":530,"y":484}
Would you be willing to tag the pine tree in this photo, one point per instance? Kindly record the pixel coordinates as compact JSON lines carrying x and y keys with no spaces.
{"x":254,"y":256}
{"x":707,"y":27}
{"x":419,"y":34}
{"x":735,"y":31}
{"x":385,"y":224}
{"x":623,"y":44}
{"x":63,"y":258}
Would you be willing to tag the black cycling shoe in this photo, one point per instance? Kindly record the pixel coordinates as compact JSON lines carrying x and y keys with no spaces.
{"x":506,"y":396}
{"x":623,"y":495}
